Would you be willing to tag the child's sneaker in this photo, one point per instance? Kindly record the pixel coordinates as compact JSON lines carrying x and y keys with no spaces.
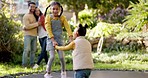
{"x":63,"y":74}
{"x":35,"y":66}
{"x":47,"y":75}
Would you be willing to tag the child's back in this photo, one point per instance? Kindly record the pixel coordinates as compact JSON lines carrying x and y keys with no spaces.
{"x":82,"y":58}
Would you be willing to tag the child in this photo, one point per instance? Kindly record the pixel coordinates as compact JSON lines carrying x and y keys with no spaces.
{"x":53,"y":24}
{"x":82,"y":58}
{"x":42,"y":34}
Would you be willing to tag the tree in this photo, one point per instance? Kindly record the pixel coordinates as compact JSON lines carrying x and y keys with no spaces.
{"x":138,"y":16}
{"x":9,"y":38}
{"x":73,"y":5}
{"x":103,"y":6}
{"x":106,"y":5}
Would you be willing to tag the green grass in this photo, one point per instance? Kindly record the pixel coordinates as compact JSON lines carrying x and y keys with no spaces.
{"x":112,"y":60}
{"x":6,"y":69}
{"x":126,"y":66}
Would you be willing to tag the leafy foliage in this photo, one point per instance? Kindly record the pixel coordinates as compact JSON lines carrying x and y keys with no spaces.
{"x":121,"y":57}
{"x":116,"y":15}
{"x":133,"y":35}
{"x":88,"y":17}
{"x":138,"y":16}
{"x":10,"y":38}
{"x":105,"y":29}
{"x":133,"y":47}
{"x":103,"y":6}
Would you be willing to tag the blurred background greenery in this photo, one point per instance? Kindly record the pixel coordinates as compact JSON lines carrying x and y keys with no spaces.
{"x":121,"y":23}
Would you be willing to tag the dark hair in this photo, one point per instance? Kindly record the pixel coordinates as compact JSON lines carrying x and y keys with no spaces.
{"x":54,"y":3}
{"x":82,"y":30}
{"x":37,"y":17}
{"x":30,"y":3}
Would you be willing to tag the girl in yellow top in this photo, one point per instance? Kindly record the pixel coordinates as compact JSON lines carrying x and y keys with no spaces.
{"x":82,"y":58}
{"x":53,"y":25}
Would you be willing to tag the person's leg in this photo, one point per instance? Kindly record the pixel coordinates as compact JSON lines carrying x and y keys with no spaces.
{"x":41,"y":54}
{"x":46,"y":57}
{"x":33,"y":49}
{"x":49,"y":64}
{"x":50,"y":48}
{"x":79,"y":74}
{"x":83,"y":73}
{"x":62,"y":60}
{"x":44,"y":49}
{"x":50,"y":61}
{"x":87,"y":73}
{"x":27,"y":48}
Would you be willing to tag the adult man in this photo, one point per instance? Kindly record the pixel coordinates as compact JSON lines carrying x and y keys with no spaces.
{"x":30,"y":35}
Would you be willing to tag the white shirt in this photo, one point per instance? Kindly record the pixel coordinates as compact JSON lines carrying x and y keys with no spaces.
{"x":41,"y":32}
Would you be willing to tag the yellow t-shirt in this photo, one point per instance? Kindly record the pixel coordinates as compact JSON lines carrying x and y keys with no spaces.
{"x":64,"y":23}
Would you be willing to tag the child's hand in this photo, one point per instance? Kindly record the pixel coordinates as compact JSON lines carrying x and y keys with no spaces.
{"x":54,"y":43}
{"x":70,"y":39}
{"x":55,"y":46}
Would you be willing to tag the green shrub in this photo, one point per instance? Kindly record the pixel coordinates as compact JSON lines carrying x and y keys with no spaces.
{"x":116,"y":15}
{"x":10,"y":36}
{"x":120,"y":57}
{"x":138,"y":16}
{"x":104,"y":29}
{"x":88,"y":17}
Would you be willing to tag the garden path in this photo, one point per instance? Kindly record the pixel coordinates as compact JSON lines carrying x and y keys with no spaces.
{"x":98,"y":74}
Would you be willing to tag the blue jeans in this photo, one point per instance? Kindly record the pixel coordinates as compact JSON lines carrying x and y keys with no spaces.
{"x":83,"y":73}
{"x":43,"y":50}
{"x":30,"y":46}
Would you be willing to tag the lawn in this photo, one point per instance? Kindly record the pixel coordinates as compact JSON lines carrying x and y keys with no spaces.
{"x":104,"y":61}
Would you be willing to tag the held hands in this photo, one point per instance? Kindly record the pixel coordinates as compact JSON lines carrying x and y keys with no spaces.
{"x":70,"y":39}
{"x":54,"y":42}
